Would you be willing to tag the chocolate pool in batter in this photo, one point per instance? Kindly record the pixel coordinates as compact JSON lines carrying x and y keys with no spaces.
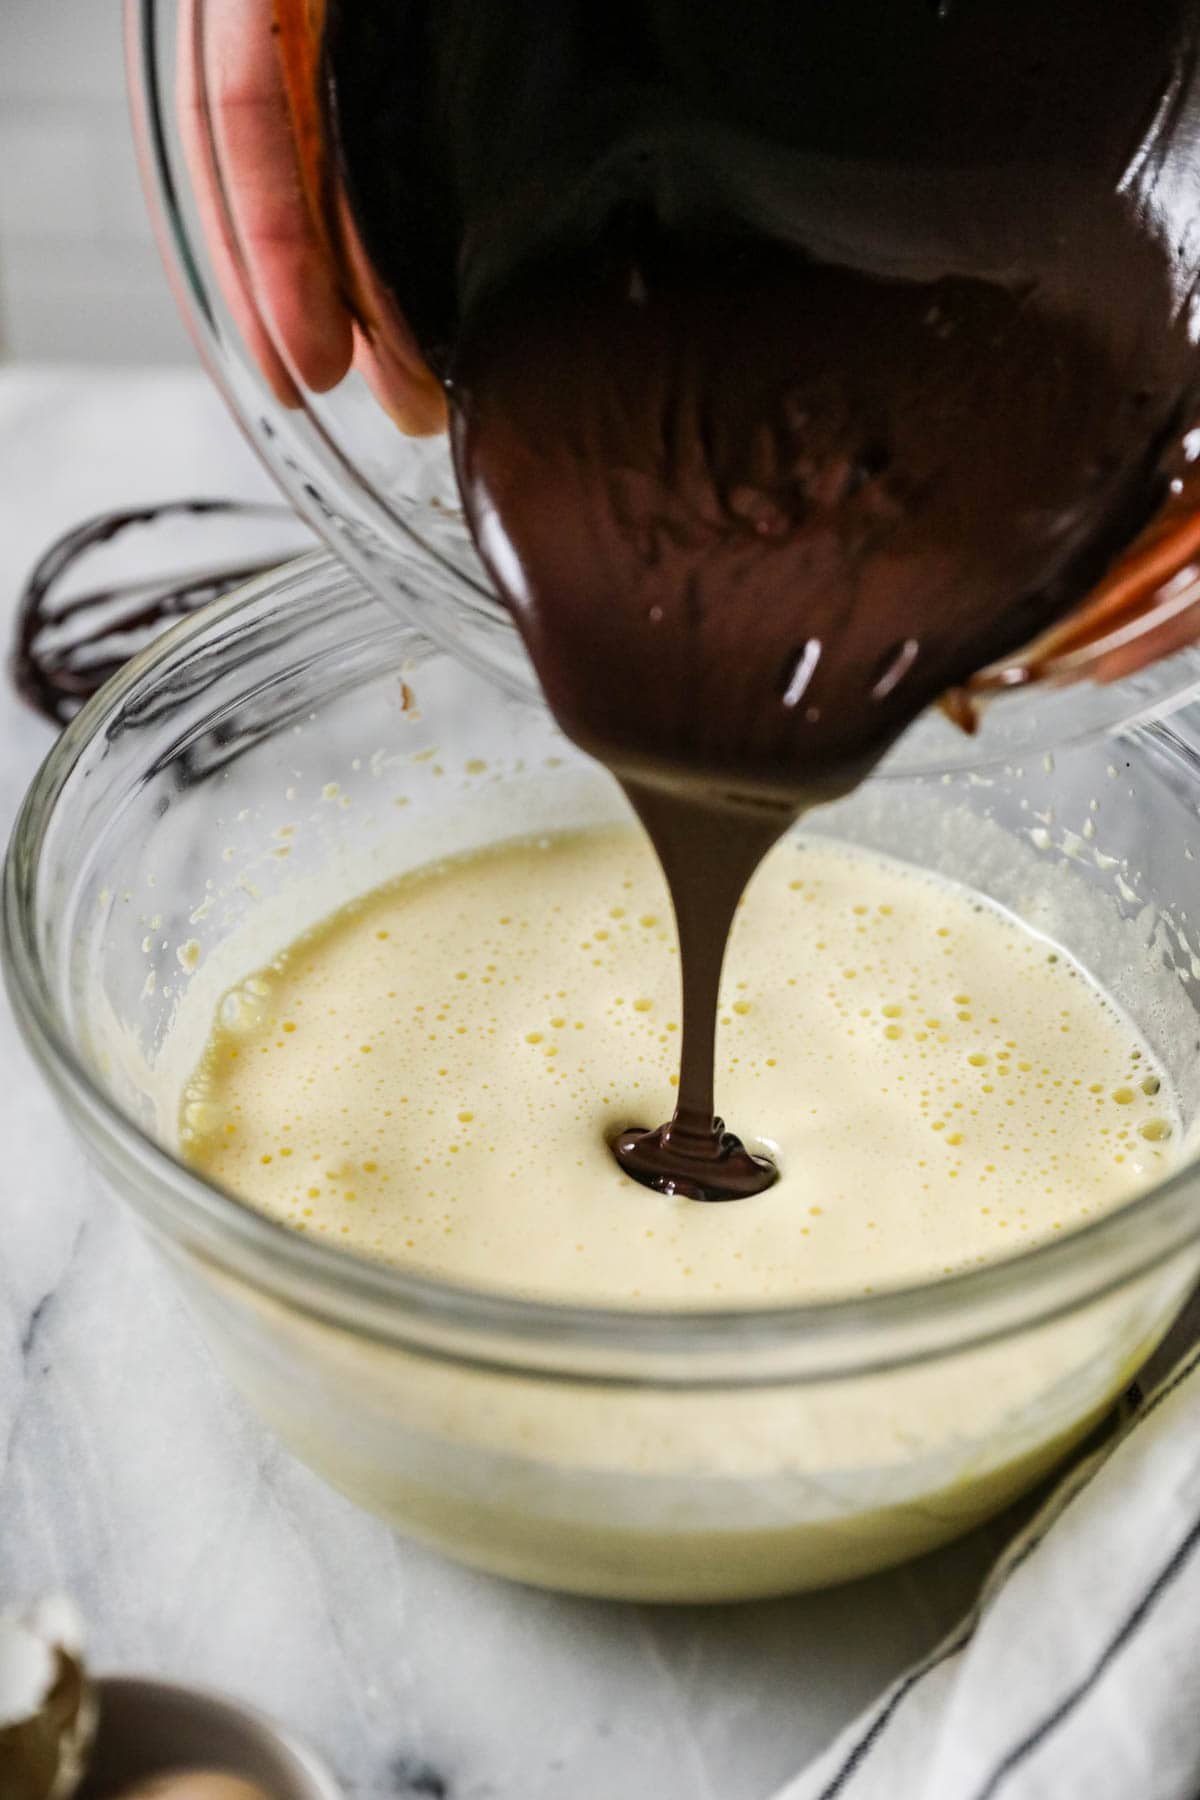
{"x":801,"y":361}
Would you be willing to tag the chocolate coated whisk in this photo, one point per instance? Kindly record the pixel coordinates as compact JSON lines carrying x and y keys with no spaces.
{"x":71,"y":636}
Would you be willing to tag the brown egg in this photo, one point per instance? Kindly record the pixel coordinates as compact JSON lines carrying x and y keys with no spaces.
{"x":194,"y":1784}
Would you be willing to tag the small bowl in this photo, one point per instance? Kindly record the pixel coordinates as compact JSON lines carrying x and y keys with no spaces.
{"x":661,"y":1453}
{"x":151,"y":1728}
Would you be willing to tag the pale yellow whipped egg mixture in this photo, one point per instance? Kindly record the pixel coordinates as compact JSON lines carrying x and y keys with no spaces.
{"x":431,"y":1076}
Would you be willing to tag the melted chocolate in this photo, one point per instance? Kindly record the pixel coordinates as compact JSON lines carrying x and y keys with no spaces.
{"x":803,"y":360}
{"x":708,"y":853}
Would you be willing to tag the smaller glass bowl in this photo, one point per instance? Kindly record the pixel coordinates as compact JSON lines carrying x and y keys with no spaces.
{"x":660,"y":1454}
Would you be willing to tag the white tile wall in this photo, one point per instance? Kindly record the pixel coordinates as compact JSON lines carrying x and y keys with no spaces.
{"x":80,"y":279}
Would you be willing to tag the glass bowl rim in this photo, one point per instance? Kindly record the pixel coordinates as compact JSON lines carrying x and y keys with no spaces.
{"x":411,"y":1309}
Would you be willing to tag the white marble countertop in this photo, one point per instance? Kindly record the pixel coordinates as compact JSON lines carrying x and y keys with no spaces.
{"x":132,"y":1477}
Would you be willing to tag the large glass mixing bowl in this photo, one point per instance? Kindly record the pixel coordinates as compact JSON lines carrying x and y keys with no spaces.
{"x":296,"y":743}
{"x":388,"y":505}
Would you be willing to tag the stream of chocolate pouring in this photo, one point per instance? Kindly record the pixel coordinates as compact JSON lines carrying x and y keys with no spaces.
{"x":804,"y":364}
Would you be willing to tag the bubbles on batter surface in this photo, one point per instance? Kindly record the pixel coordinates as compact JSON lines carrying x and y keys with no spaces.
{"x":432,"y":1077}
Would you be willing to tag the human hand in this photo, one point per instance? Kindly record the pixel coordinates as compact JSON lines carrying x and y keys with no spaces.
{"x":306,"y":315}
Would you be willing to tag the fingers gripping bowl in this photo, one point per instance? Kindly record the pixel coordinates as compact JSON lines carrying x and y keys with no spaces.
{"x":689,"y":1453}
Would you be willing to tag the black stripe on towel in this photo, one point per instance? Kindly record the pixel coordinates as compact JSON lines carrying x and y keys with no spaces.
{"x":861,"y":1748}
{"x":1108,"y":1655}
{"x":884,"y":1716}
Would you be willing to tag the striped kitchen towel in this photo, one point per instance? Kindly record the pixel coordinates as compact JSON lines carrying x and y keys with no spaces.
{"x":1077,"y":1673}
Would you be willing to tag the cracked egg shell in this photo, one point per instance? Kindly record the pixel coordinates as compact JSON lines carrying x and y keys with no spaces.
{"x":47,"y":1706}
